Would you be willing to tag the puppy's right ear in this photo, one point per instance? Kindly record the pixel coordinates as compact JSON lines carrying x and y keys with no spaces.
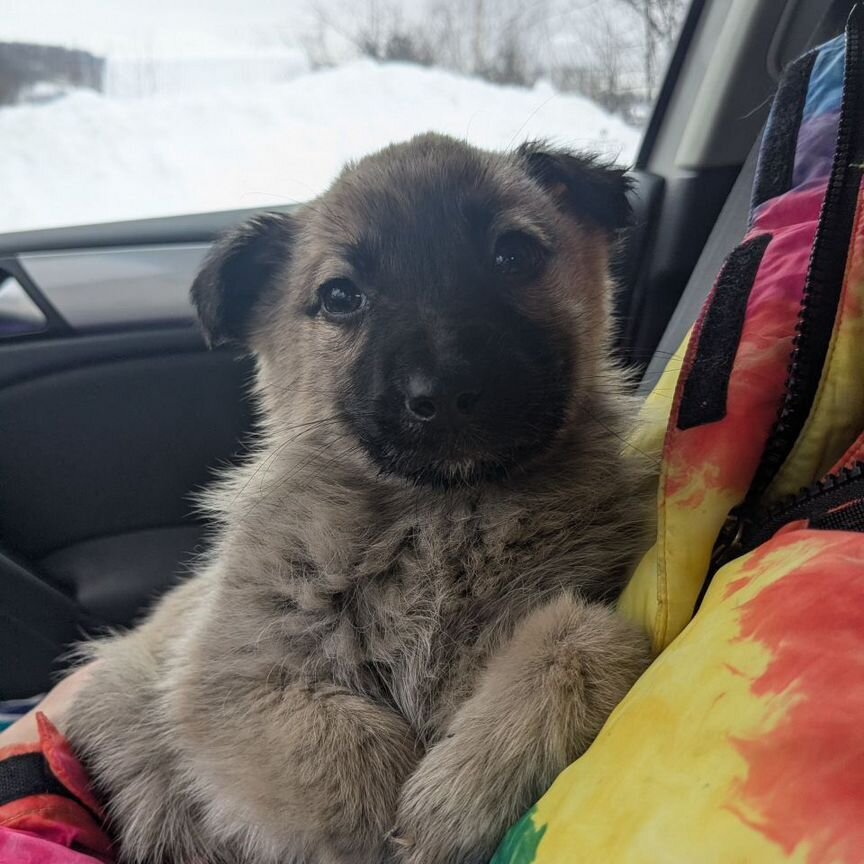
{"x":240,"y":268}
{"x":589,"y":189}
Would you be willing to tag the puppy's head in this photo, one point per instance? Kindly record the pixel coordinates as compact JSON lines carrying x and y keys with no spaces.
{"x":436,"y":313}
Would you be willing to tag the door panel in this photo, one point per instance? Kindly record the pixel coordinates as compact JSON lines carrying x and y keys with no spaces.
{"x":104,"y":439}
{"x":112,"y":417}
{"x":113,"y":447}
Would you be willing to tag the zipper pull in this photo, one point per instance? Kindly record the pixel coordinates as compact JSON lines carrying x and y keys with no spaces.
{"x":729,"y":540}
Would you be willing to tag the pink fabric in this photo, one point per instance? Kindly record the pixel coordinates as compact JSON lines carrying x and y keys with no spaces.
{"x":22,"y":847}
{"x":54,"y":829}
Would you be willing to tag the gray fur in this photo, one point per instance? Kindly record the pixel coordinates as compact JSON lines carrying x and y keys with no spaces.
{"x":365,"y":670}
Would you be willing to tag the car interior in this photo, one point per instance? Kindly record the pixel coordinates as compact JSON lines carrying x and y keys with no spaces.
{"x":113,"y":412}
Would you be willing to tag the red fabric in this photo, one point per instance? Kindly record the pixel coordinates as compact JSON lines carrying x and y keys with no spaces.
{"x":52,"y":829}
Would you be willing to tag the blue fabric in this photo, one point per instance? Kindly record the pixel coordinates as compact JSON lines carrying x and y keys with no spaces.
{"x":12,"y":709}
{"x":825,"y":92}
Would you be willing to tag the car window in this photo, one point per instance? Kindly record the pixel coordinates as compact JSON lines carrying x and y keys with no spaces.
{"x":124,"y":110}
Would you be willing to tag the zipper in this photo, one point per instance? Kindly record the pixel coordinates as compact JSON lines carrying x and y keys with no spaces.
{"x":728,"y":544}
{"x":822,"y":289}
{"x":826,"y":268}
{"x":813,"y":503}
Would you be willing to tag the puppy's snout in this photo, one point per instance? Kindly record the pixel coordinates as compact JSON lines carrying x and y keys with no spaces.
{"x":446,"y":400}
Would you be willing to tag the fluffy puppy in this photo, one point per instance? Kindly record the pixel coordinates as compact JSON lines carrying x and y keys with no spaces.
{"x":402,"y":632}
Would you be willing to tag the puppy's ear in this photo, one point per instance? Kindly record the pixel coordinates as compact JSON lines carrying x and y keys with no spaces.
{"x":240,"y":269}
{"x":588,"y":189}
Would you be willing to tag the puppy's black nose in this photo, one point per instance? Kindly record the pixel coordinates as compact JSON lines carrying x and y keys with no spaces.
{"x":445,"y":400}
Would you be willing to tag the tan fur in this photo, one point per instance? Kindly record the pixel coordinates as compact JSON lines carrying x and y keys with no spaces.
{"x":358,"y":655}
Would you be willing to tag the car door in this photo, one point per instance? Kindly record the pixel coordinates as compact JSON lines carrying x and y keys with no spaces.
{"x":112,"y":416}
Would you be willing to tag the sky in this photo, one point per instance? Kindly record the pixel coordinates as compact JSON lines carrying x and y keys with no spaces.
{"x":156,"y":27}
{"x":130,"y":26}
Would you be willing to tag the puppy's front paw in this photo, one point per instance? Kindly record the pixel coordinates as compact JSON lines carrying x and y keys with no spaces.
{"x":447,"y":813}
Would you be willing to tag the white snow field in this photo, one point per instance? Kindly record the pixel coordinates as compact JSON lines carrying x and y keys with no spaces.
{"x":92,"y":158}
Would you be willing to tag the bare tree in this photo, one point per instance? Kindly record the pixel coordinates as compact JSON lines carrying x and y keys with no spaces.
{"x":374,"y":29}
{"x":315,"y":41}
{"x":615,"y":48}
{"x":499,"y":41}
{"x":660,"y":20}
{"x":600,"y":61}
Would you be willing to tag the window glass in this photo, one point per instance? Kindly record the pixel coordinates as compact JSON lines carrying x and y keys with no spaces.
{"x":128,"y":109}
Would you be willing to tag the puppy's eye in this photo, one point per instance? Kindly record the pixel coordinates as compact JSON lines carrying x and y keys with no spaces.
{"x":341,"y":298}
{"x":517,"y":256}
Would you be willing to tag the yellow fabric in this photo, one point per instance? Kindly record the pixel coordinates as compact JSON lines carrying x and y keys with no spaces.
{"x":683,"y":771}
{"x":644,"y":599}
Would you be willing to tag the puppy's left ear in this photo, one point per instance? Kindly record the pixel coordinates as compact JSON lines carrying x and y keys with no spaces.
{"x":241,"y":268}
{"x":587,"y":188}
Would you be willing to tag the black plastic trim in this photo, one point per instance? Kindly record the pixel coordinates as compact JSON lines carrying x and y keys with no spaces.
{"x":191,"y":228}
{"x":25,"y":360}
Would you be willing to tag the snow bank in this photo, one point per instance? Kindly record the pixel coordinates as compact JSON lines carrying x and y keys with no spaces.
{"x":91,"y":158}
{"x":131,"y":77}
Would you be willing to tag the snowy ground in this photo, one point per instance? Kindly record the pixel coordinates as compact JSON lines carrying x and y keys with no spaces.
{"x":90,"y":158}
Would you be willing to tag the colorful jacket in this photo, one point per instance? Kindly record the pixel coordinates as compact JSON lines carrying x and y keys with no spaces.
{"x":744,"y":741}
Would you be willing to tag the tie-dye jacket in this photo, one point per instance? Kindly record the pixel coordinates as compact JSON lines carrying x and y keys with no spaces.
{"x":744,"y":742}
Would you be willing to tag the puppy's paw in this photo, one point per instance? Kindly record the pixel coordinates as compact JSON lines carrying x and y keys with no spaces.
{"x":447,"y":813}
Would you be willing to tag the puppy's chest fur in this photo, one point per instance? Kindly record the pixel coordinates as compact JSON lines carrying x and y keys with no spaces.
{"x":411,"y":619}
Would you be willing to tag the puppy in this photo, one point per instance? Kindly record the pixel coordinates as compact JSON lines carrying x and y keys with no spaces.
{"x":402,"y":632}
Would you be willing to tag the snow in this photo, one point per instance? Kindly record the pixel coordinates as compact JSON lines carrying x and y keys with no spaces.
{"x":130,"y":77}
{"x":87,"y":157}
